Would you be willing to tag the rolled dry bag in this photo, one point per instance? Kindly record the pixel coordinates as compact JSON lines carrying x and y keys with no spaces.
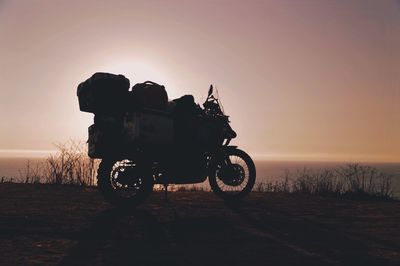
{"x":147,"y":95}
{"x":103,"y":93}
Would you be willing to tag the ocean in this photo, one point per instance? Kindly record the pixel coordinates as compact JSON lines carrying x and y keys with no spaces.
{"x":267,"y":171}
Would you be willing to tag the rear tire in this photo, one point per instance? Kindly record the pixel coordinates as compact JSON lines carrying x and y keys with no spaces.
{"x":239,"y":186}
{"x":106,"y":183}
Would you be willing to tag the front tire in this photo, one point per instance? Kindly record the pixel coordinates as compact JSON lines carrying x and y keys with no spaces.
{"x":131,"y":191}
{"x":235,"y":181}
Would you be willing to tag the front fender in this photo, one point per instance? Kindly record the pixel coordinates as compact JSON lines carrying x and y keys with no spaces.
{"x":223,"y":151}
{"x":228,"y":148}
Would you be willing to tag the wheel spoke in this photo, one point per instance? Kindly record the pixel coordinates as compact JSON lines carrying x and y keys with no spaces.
{"x":122,"y":188}
{"x":238,"y":182}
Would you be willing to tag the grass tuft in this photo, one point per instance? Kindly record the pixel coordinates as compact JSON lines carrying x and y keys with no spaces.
{"x":350,"y":181}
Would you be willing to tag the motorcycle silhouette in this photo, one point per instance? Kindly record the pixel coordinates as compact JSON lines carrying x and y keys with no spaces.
{"x":126,"y":175}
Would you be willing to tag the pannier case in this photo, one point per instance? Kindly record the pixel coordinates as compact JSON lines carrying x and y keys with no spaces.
{"x":148,"y":129}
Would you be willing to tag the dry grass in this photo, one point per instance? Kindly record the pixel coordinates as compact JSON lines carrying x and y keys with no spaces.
{"x":70,"y":165}
{"x":351,"y":180}
{"x":180,"y":188}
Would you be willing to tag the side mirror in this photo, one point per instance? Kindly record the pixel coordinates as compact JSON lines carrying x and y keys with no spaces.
{"x":210,"y":91}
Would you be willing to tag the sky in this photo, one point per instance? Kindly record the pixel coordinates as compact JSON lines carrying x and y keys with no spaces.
{"x":300,"y":79}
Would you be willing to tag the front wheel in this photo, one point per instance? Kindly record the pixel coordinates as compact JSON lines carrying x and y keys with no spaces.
{"x":233,"y":175}
{"x":124,"y":183}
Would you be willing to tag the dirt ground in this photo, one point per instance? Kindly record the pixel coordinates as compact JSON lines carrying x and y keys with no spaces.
{"x":62,"y":225}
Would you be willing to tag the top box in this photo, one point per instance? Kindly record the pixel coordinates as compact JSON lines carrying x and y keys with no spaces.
{"x":103,"y":93}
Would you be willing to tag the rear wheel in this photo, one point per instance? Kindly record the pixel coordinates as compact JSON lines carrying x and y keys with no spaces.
{"x":124,"y":183}
{"x":233,"y":175}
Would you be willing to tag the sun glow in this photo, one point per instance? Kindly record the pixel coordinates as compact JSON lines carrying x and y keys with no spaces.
{"x":138,"y":72}
{"x":307,"y":82}
{"x":7,"y":153}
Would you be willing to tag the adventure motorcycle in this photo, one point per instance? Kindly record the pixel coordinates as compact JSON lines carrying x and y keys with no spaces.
{"x":128,"y":178}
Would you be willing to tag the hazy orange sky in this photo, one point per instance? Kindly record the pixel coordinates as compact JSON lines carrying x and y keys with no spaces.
{"x":301,"y":79}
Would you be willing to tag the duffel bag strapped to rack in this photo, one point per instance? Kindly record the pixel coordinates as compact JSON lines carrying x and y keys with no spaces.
{"x":103,"y":93}
{"x":147,"y":95}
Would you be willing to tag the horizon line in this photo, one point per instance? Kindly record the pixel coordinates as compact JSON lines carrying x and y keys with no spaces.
{"x":316,"y":157}
{"x":325,"y":157}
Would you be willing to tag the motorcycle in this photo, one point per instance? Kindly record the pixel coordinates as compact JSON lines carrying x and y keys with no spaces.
{"x":128,"y":178}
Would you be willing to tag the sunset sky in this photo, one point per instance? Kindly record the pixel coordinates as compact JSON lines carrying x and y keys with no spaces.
{"x":301,"y":79}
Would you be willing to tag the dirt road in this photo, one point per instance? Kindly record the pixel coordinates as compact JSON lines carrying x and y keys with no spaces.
{"x":50,"y":225}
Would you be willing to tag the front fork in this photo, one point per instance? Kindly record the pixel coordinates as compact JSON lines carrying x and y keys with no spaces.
{"x":221,"y":157}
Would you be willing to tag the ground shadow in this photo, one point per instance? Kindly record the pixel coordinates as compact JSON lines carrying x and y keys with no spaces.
{"x":322,"y":243}
{"x":118,"y":235}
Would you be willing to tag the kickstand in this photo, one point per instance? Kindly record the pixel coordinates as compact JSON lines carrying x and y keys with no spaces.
{"x":166,"y":192}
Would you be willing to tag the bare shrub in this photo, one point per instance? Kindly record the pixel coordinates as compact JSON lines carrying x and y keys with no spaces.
{"x":31,"y":174}
{"x":353,"y":180}
{"x":283,"y":185}
{"x":71,"y":165}
{"x":365,"y":180}
{"x":322,"y":182}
